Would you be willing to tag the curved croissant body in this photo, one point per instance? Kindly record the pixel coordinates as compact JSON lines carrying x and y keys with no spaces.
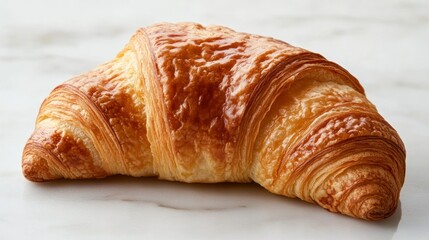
{"x":206,"y":104}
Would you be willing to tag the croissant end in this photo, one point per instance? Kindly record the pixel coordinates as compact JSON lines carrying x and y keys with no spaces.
{"x":370,"y":201}
{"x":35,"y":168}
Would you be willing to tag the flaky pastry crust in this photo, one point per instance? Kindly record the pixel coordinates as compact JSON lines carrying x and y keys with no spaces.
{"x":190,"y":103}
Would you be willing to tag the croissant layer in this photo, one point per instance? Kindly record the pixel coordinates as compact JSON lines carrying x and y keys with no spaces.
{"x":189,"y":103}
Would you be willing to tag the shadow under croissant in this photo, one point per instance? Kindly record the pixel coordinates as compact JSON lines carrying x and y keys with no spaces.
{"x":200,"y":197}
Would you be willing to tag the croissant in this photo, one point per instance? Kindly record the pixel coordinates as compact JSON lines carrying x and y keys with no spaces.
{"x":189,"y":103}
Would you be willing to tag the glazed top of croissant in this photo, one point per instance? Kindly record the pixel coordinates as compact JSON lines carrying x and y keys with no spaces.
{"x":214,"y":87}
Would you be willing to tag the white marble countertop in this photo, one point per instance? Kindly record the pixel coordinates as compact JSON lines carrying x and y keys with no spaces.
{"x":383,"y":43}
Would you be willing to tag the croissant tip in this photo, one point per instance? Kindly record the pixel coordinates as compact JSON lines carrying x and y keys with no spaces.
{"x":376,"y":208}
{"x":35,"y":168}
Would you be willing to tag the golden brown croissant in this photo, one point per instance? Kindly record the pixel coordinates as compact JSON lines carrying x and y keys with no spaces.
{"x":206,"y":104}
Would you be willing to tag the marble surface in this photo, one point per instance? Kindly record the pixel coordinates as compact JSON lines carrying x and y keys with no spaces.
{"x":383,"y":43}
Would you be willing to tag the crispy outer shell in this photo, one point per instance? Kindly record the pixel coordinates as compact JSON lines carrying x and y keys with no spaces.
{"x":190,"y":103}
